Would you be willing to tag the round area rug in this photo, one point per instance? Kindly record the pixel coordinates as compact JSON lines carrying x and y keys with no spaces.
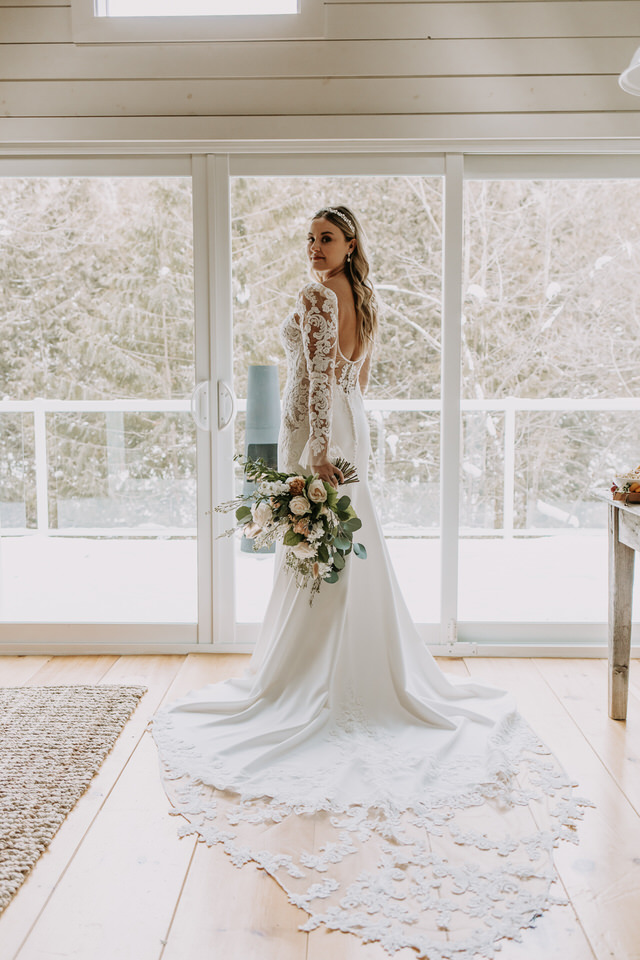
{"x":52,"y":742}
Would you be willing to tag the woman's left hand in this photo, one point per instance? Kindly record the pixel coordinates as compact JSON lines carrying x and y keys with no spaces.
{"x":329,"y":472}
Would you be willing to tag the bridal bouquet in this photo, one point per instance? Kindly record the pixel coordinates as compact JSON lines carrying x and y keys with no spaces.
{"x":307,"y":514}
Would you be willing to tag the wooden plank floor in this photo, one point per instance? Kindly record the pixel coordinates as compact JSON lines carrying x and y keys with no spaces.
{"x":118,"y":884}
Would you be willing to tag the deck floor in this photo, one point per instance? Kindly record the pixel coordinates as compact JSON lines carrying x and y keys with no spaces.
{"x":76,"y":579}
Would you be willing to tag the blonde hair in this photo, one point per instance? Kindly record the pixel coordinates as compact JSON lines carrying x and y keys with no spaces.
{"x":357,"y":271}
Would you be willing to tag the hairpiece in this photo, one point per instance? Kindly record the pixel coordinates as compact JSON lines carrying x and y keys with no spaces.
{"x":339,"y":213}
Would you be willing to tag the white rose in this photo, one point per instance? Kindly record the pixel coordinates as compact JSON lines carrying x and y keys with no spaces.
{"x":262,"y":513}
{"x":299,"y":506}
{"x":316,"y":491}
{"x":303,"y":550}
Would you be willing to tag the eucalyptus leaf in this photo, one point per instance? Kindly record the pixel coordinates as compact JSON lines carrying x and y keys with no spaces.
{"x":338,"y":561}
{"x":331,"y":577}
{"x":243,"y":512}
{"x":332,"y":496}
{"x":343,"y":503}
{"x":290,"y":538}
{"x":360,"y":551}
{"x":352,"y":525}
{"x":342,"y":543}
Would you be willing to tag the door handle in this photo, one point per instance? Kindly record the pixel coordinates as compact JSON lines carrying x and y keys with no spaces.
{"x":200,"y":405}
{"x":226,"y":405}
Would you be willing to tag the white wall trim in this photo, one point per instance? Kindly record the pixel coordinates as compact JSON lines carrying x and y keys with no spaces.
{"x":81,"y":165}
{"x":474,"y":639}
{"x":71,"y":149}
{"x":529,"y":651}
{"x":90,"y":635}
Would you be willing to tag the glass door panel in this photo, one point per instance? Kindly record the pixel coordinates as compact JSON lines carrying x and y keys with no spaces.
{"x":98,"y":476}
{"x":551,"y":392}
{"x":402,"y":217}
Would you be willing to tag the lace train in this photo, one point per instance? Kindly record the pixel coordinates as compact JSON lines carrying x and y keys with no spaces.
{"x":448,"y":873}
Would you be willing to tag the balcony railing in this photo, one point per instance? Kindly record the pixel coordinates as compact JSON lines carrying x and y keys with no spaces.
{"x":509,"y":407}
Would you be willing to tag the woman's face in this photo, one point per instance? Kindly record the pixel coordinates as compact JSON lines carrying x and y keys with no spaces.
{"x":327,"y":246}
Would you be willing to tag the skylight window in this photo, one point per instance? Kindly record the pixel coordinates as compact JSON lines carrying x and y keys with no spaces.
{"x":175,"y":21}
{"x":193,"y":8}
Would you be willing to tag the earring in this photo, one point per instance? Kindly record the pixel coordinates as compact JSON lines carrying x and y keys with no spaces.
{"x":349,"y":257}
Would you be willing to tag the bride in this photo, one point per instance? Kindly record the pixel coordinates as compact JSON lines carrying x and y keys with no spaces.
{"x":387,"y":799}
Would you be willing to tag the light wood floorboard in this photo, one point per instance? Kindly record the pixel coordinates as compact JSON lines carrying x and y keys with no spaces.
{"x":117,"y":883}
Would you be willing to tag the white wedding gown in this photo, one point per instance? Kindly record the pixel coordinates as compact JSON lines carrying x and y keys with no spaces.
{"x":387,"y":799}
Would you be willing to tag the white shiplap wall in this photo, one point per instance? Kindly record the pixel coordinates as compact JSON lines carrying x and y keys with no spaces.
{"x":386,"y":69}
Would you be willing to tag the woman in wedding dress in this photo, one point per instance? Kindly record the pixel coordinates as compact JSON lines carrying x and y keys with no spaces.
{"x":387,"y":799}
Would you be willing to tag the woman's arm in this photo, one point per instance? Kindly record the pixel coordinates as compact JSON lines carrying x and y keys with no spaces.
{"x":319,"y":324}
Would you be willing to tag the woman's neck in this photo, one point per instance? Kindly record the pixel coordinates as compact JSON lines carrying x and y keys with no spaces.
{"x":329,"y":274}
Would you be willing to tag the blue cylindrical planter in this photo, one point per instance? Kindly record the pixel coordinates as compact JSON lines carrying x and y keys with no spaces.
{"x":262,"y":426}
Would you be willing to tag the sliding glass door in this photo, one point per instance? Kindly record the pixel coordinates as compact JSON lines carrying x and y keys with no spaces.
{"x":98,"y":461}
{"x":550,"y":398}
{"x":402,"y":217}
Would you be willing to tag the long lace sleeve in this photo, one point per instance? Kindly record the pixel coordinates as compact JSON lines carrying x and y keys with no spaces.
{"x":319,"y":325}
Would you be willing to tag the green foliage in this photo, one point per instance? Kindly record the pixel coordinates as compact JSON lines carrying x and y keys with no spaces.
{"x":342,"y":543}
{"x":290,"y":538}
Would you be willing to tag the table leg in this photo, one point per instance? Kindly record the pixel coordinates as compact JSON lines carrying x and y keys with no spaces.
{"x":621,"y":561}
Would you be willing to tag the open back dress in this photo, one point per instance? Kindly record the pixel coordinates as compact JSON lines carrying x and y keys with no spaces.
{"x":386,"y":798}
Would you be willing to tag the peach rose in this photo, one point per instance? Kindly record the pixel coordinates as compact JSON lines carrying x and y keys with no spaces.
{"x":296,"y":485}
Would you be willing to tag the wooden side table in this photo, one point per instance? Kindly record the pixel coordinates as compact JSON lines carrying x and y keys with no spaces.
{"x":624,"y":540}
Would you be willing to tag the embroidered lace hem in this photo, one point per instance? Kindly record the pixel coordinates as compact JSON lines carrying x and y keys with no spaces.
{"x":448,"y":872}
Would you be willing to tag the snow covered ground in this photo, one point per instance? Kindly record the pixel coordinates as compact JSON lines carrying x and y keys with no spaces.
{"x":561,"y":578}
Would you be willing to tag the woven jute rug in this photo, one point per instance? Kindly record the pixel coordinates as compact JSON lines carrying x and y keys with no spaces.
{"x":52,"y":742}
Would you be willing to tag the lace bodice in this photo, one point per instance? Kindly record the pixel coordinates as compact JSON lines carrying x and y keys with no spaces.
{"x":315,"y":369}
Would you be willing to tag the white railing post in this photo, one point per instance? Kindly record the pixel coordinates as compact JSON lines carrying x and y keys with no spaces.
{"x":509,"y":482}
{"x":116,"y":459}
{"x":42,"y":471}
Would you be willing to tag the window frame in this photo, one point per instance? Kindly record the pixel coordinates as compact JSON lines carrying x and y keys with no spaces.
{"x":88,"y":27}
{"x":211,"y":166}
